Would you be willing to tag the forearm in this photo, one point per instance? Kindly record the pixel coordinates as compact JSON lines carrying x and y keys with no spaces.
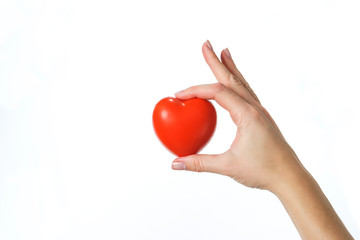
{"x":308,"y":207}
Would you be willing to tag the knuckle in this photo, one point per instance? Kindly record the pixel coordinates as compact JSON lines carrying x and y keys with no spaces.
{"x":239,"y":118}
{"x":219,"y":87}
{"x":254,"y":113}
{"x":246,"y":84}
{"x":262,"y":108}
{"x":233,"y":79}
{"x":198,"y":164}
{"x":191,"y":89}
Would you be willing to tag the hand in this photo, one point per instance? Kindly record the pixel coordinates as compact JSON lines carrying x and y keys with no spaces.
{"x":259,"y":152}
{"x":260,"y":157}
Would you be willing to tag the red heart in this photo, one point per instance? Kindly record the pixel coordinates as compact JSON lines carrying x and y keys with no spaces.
{"x":184,"y":126}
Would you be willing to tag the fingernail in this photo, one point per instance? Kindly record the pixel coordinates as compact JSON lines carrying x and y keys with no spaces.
{"x":178,"y":166}
{"x":227,"y":53}
{"x":208,"y":44}
{"x":179,"y":92}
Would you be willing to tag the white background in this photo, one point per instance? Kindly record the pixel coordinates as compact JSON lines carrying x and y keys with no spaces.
{"x":78,"y":83}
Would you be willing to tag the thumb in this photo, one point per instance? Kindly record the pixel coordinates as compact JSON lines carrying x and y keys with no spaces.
{"x":198,"y":163}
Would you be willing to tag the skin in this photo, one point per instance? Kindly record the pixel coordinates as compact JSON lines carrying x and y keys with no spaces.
{"x":260,"y":157}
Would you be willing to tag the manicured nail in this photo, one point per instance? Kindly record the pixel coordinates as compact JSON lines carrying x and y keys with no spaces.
{"x":227,"y":53}
{"x":179,"y":92}
{"x":178,"y":166}
{"x":208,"y":44}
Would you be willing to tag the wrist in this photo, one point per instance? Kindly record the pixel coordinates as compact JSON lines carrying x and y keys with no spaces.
{"x":289,"y":176}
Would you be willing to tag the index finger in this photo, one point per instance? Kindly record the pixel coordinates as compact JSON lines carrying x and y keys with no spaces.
{"x":225,"y":97}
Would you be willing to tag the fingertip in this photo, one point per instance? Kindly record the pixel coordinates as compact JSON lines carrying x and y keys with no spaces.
{"x":179,"y":93}
{"x":182,"y":95}
{"x":178,"y":164}
{"x":225,"y":55}
{"x":203,"y":47}
{"x":208,"y":45}
{"x":207,"y":48}
{"x":222,"y":56}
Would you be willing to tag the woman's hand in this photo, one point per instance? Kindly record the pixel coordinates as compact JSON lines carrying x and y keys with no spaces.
{"x":259,"y":156}
{"x":259,"y":152}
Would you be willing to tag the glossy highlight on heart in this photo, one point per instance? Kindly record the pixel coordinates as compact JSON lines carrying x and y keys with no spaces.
{"x":184,"y":126}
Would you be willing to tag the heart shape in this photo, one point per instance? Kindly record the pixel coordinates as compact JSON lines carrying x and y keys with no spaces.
{"x":184,"y":126}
